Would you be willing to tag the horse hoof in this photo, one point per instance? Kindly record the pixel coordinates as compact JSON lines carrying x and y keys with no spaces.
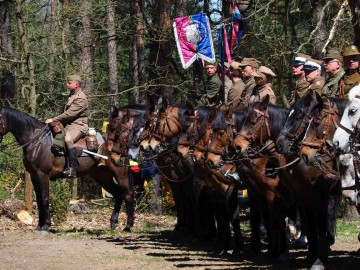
{"x":127,"y":229}
{"x":301,"y":242}
{"x":318,"y":265}
{"x":114,"y":226}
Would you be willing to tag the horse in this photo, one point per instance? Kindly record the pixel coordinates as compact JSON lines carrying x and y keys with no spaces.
{"x":349,"y":120}
{"x":307,"y":184}
{"x":222,"y":192}
{"x":256,"y":153}
{"x":35,"y":139}
{"x":161,"y":137}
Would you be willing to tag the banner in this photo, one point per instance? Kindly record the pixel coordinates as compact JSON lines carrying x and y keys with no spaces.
{"x":193,"y":39}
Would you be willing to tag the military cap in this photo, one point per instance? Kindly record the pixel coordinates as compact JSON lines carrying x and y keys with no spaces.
{"x":235,"y":65}
{"x":300,"y":59}
{"x":333,"y":54}
{"x":207,"y":63}
{"x":263,"y":71}
{"x":351,"y":50}
{"x":74,"y":77}
{"x":311,"y":65}
{"x":250,"y":62}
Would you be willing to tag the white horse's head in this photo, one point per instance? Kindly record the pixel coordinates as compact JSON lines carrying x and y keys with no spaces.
{"x":347,"y":178}
{"x":348,"y":121}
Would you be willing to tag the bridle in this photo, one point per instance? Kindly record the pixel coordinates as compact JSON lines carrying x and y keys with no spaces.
{"x":326,"y":119}
{"x":252,"y":136}
{"x":115,"y":136}
{"x":356,"y":162}
{"x":296,"y":137}
{"x":346,"y":129}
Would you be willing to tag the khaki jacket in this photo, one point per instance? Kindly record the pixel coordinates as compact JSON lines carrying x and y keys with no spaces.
{"x":260,"y":92}
{"x":317,"y":84}
{"x":74,"y":116}
{"x":350,"y":81}
{"x":234,"y":95}
{"x":213,"y":85}
{"x":246,"y":93}
{"x":332,"y":85}
{"x":301,"y":87}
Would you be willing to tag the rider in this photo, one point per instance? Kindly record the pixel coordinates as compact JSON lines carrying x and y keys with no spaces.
{"x":312,"y":70}
{"x":238,"y":86}
{"x":351,"y":62}
{"x":213,"y":86}
{"x":301,"y":85}
{"x":247,"y":66}
{"x":333,"y":63}
{"x":74,"y":119}
{"x":263,"y":85}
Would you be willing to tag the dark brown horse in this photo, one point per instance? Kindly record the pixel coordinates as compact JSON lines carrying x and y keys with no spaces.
{"x":43,"y":165}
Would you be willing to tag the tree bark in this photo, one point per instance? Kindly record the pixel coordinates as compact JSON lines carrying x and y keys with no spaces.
{"x":113,"y":72}
{"x":6,"y":43}
{"x":28,"y":191}
{"x":53,"y":37}
{"x":355,"y":20}
{"x":86,"y":50}
{"x":65,"y":35}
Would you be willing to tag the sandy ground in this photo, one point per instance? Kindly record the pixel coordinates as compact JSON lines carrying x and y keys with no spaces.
{"x":84,"y":242}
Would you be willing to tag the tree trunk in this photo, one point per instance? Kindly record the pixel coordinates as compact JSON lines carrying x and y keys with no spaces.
{"x":320,"y":35}
{"x":160,"y":49}
{"x":53,"y":37}
{"x":28,"y":191}
{"x":6,"y":44}
{"x":355,"y":20}
{"x":65,"y":35}
{"x":31,"y":97}
{"x":86,"y":47}
{"x":113,"y":80}
{"x":133,"y":59}
{"x":283,"y":59}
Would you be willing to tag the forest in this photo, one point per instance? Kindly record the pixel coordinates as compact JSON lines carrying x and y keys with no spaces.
{"x":125,"y":51}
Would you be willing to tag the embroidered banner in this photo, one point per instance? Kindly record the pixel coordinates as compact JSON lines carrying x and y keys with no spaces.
{"x":193,"y":39}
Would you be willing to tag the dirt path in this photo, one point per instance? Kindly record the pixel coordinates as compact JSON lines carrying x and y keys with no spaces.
{"x":85,"y":242}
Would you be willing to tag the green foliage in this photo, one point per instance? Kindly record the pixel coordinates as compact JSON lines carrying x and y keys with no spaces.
{"x":11,"y":168}
{"x":60,"y":195}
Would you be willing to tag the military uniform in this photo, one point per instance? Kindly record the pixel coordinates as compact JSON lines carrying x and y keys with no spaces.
{"x":74,"y":117}
{"x":350,"y":80}
{"x":300,"y":89}
{"x":352,"y":77}
{"x":234,"y":95}
{"x":317,"y":84}
{"x":213,"y":86}
{"x":246,"y":93}
{"x":332,"y":85}
{"x":260,"y":92}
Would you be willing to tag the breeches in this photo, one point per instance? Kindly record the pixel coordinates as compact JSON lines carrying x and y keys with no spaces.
{"x":71,"y":137}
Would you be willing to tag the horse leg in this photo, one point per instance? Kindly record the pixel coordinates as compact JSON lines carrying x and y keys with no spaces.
{"x":255,"y":218}
{"x":122,"y":178}
{"x":235,"y":223}
{"x":40,"y":182}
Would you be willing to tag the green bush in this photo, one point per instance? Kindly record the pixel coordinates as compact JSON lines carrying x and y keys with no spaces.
{"x":60,"y":195}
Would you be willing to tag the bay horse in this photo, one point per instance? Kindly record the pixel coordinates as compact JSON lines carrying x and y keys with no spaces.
{"x":307,"y":184}
{"x":161,"y":137}
{"x":255,"y":131}
{"x":34,"y":137}
{"x":221,"y":191}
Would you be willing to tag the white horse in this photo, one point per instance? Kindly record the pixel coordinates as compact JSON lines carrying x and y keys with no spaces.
{"x":349,"y":186}
{"x":348,"y":121}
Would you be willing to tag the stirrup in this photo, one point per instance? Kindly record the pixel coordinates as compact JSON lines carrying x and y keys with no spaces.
{"x":70,"y":172}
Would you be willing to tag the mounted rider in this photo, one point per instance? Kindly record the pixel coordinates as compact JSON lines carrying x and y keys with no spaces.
{"x":301,"y":85}
{"x":263,"y":77}
{"x":352,"y":70}
{"x":334,"y":84}
{"x":74,"y":119}
{"x":312,"y":70}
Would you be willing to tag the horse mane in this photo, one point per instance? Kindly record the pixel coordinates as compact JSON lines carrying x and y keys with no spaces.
{"x":18,"y":120}
{"x":240,"y":117}
{"x":340,"y":103}
{"x":277,"y":117}
{"x":219,"y":121}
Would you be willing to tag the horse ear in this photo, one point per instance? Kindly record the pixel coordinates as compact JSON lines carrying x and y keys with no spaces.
{"x":212,"y":115}
{"x":264,"y":103}
{"x":114,"y":112}
{"x":126,"y":117}
{"x":165,"y":103}
{"x":229,"y":112}
{"x":308,"y":98}
{"x":190,"y":108}
{"x":319,"y":99}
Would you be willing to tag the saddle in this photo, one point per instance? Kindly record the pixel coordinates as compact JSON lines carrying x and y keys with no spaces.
{"x":89,"y":142}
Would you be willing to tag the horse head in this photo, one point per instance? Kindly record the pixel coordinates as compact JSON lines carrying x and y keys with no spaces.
{"x":3,"y":129}
{"x":349,"y":185}
{"x":254,"y":128}
{"x":292,"y":133}
{"x":315,"y":150}
{"x":348,"y":121}
{"x":222,"y":138}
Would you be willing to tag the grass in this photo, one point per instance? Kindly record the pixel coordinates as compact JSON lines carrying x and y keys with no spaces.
{"x":347,"y":230}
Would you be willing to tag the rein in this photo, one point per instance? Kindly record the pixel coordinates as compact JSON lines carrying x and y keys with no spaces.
{"x":356,"y":161}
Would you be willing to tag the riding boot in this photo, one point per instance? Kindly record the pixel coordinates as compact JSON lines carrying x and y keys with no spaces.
{"x":71,"y":170}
